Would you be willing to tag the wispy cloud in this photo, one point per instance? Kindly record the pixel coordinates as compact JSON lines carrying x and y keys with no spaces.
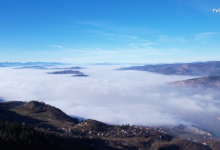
{"x":165,"y":38}
{"x":137,"y":51}
{"x":98,"y":23}
{"x":178,"y":50}
{"x":205,"y":36}
{"x":58,"y":46}
{"x":147,"y":49}
{"x":119,"y":35}
{"x":112,"y":26}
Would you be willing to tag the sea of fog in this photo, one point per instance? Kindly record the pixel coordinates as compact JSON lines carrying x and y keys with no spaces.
{"x":114,"y":96}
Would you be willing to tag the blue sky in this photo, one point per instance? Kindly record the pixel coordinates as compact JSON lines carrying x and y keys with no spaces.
{"x":123,"y":31}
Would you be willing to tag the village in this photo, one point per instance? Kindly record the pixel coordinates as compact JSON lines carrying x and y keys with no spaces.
{"x":125,"y":131}
{"x":46,"y":118}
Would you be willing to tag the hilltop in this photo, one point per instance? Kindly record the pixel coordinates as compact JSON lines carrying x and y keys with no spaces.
{"x":65,"y":72}
{"x":211,"y":83}
{"x":37,"y":114}
{"x":49,"y":111}
{"x":76,"y":73}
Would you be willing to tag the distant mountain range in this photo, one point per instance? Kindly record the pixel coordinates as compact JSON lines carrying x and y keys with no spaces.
{"x":30,"y":63}
{"x":69,"y":68}
{"x":108,"y":64}
{"x":192,"y":69}
{"x":209,"y":70}
{"x":32,"y":67}
{"x":45,"y":67}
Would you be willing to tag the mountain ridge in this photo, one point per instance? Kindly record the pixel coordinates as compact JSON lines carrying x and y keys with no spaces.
{"x":192,"y":69}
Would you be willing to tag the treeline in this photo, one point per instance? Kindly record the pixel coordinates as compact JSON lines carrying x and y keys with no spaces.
{"x":18,"y":136}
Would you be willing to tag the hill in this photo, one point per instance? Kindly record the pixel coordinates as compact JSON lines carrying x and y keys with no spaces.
{"x":193,"y":69}
{"x":211,"y":83}
{"x":76,"y":73}
{"x":38,"y":114}
{"x":216,"y":73}
{"x":80,"y":75}
{"x":21,"y":137}
{"x":50,"y":111}
{"x":92,"y":125}
{"x":40,"y":122}
{"x":181,"y":144}
{"x":65,"y":72}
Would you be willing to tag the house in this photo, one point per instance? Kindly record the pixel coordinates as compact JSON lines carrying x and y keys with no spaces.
{"x":134,"y":132}
{"x":209,"y":134}
{"x":204,"y":143}
{"x":189,"y":139}
{"x":70,"y":130}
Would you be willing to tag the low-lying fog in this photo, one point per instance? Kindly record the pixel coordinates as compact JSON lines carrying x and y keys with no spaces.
{"x":114,"y":96}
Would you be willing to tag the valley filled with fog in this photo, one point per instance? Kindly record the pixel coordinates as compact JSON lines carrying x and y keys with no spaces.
{"x":114,"y":96}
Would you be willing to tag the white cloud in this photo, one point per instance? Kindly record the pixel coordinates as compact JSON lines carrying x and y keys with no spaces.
{"x":147,"y":49}
{"x":117,"y":97}
{"x":205,"y":36}
{"x":165,"y":38}
{"x":118,"y":28}
{"x":58,"y":46}
{"x":119,"y":35}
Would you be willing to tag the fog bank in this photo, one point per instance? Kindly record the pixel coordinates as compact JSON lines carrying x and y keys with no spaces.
{"x":113,"y":96}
